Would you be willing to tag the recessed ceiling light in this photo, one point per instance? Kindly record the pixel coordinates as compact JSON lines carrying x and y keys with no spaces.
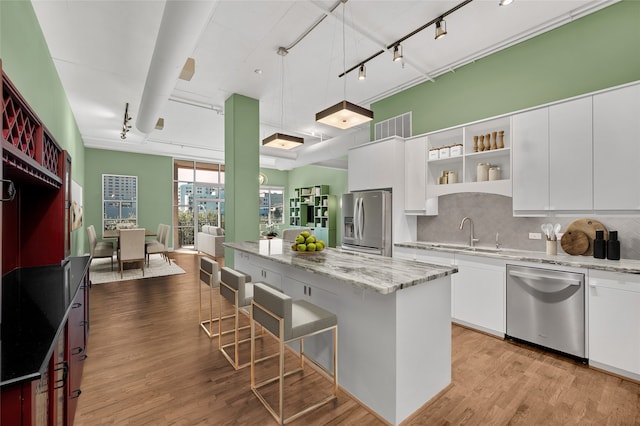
{"x":258,"y":71}
{"x":505,"y":2}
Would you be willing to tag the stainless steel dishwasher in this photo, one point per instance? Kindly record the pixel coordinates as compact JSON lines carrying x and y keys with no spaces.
{"x":546,"y":307}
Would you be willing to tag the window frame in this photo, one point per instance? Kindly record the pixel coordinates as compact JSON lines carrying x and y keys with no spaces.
{"x":269,"y":189}
{"x":129,"y":219}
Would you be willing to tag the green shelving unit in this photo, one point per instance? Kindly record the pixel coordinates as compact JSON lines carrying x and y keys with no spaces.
{"x":313,"y":207}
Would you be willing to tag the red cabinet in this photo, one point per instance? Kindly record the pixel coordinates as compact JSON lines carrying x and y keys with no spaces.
{"x":52,"y":398}
{"x":42,"y":386}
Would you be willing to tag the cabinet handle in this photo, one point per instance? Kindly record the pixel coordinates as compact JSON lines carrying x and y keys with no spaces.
{"x":83,"y":357}
{"x":84,"y":322}
{"x":76,"y":351}
{"x":65,"y":373}
{"x":309,"y":291}
{"x":76,"y":393}
{"x":76,"y":305}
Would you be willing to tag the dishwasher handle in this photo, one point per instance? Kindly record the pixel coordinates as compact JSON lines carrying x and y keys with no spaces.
{"x":542,"y":276}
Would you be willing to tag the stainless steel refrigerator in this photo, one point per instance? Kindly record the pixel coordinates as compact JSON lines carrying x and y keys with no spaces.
{"x":366,"y":217}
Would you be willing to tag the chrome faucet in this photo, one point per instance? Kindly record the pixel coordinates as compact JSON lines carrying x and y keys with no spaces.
{"x":472,"y":239}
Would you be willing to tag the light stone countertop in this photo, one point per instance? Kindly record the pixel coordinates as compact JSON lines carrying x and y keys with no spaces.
{"x":628,"y":266}
{"x":384,"y":275}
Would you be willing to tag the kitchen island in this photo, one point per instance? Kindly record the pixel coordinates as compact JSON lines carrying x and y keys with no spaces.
{"x":394,"y":319}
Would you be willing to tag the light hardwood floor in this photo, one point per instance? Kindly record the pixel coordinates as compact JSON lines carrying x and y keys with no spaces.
{"x":150,"y":364}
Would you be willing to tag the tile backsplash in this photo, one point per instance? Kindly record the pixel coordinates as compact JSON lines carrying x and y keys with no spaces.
{"x":493,"y":214}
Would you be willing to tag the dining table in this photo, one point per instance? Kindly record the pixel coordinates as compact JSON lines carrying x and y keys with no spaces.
{"x":115,"y":234}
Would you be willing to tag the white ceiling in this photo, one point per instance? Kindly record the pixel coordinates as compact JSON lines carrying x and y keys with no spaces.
{"x":103,"y":49}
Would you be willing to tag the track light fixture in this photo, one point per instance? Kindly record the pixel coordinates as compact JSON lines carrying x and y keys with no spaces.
{"x":362,"y":73}
{"x":441,"y":29}
{"x":125,"y":123}
{"x":397,"y":53}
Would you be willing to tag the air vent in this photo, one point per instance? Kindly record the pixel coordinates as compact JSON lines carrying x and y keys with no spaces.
{"x":395,"y":126}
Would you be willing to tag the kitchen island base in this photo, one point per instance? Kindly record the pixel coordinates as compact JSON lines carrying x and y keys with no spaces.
{"x":395,"y":348}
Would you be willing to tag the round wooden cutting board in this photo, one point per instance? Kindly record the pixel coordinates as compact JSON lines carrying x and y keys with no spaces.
{"x":589,"y":228}
{"x":574,"y":242}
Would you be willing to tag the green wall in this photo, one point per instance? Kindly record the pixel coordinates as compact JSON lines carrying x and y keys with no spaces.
{"x":155,"y":183}
{"x":27,"y":62}
{"x":595,"y":52}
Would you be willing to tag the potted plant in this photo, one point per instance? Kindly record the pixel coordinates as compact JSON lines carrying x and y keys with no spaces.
{"x":271,"y":230}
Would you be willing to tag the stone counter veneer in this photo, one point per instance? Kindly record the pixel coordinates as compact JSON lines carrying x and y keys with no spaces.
{"x":384,"y":275}
{"x":624,"y":265}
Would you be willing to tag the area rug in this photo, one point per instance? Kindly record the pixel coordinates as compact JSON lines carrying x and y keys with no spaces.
{"x":101,"y":272}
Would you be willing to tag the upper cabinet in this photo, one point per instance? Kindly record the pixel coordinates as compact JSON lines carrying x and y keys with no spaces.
{"x":35,"y":220}
{"x":373,"y":165}
{"x":531,"y":160}
{"x":552,"y":158}
{"x":616,"y":149}
{"x":578,"y":156}
{"x":415,"y":176}
{"x":471,"y":158}
{"x":570,"y":155}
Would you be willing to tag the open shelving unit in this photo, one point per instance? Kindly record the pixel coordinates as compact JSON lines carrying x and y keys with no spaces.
{"x":314,"y":207}
{"x":465,"y":165}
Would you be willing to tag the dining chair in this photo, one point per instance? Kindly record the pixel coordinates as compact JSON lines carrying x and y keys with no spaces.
{"x":165,"y":242}
{"x":156,"y":246}
{"x":131,"y":247}
{"x":99,"y":249}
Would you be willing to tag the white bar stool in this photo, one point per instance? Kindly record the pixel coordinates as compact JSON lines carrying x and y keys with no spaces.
{"x":209,"y":276}
{"x":236,"y":288}
{"x":290,"y":320}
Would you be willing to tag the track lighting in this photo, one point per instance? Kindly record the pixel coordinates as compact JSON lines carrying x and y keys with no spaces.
{"x":397,"y":53}
{"x":125,"y":123}
{"x":505,"y":2}
{"x":362,"y":74}
{"x":441,"y":29}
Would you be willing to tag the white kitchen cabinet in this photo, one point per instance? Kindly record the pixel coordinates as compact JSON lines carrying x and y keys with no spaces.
{"x":479,"y":294}
{"x":614,"y":322}
{"x":259,"y":273}
{"x":415,"y":170}
{"x":616,"y":133}
{"x":571,"y":155}
{"x":373,"y":165}
{"x":530,"y":172}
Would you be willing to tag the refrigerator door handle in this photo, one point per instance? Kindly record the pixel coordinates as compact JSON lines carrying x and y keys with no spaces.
{"x":362,"y":218}
{"x":355,"y":217}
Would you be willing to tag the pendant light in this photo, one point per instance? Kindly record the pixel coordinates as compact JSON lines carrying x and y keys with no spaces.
{"x":344,"y":114}
{"x":282,"y":140}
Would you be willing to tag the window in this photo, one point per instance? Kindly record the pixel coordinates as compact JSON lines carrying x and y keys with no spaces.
{"x":119,"y":201}
{"x":198,"y":198}
{"x":271,"y":204}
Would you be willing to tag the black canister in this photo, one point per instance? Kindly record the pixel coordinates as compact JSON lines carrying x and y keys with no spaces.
{"x":600,"y":246}
{"x":613,"y":246}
